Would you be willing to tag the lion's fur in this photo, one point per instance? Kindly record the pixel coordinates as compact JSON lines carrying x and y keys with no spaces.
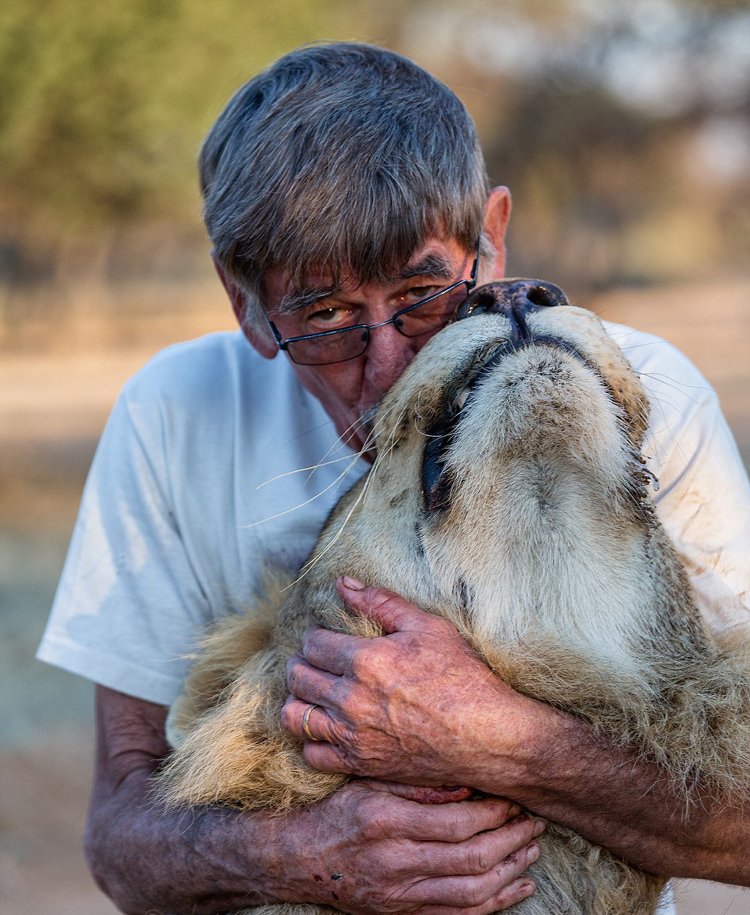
{"x":546,"y":554}
{"x":222,"y":653}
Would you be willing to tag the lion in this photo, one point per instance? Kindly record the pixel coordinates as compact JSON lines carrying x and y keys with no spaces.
{"x":508,"y":495}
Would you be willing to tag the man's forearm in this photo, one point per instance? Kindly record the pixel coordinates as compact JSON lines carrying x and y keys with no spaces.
{"x":562,"y":772}
{"x":369,"y":847}
{"x":195,"y":861}
{"x":148,"y":859}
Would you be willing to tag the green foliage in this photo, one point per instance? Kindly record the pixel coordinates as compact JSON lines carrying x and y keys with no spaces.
{"x":104,"y":105}
{"x":607,"y":119}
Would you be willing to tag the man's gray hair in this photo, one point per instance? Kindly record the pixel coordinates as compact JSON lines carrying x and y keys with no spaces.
{"x":341,"y":159}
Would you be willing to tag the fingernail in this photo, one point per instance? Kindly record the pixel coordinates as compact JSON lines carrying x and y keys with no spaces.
{"x":526,"y":889}
{"x":352,"y":583}
{"x":539,"y":827}
{"x":513,"y":811}
{"x":532,"y":852}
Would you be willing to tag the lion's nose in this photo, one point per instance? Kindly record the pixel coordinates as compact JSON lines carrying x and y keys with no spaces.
{"x":513,"y":298}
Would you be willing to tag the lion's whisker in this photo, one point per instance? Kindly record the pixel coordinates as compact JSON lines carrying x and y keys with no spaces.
{"x":311,"y":468}
{"x":307,"y":568}
{"x":300,"y":505}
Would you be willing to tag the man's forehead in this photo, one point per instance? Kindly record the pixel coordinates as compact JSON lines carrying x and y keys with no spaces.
{"x":433,"y":257}
{"x":436,"y":259}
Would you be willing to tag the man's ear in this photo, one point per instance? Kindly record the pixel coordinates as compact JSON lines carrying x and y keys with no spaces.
{"x":259,"y":340}
{"x":496,"y":217}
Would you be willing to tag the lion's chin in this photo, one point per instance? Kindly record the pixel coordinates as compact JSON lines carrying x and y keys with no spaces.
{"x":437,"y":481}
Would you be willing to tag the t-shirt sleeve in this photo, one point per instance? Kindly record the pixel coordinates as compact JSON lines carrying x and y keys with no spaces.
{"x":704,"y":499}
{"x":129,"y":604}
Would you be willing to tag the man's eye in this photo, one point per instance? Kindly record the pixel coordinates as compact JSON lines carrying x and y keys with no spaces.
{"x":328,"y":318}
{"x":417,"y":293}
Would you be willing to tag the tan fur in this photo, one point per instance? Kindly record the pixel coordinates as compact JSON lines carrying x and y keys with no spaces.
{"x":548,"y":557}
{"x":222,"y":653}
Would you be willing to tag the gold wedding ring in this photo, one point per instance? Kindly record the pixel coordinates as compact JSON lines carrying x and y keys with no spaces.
{"x":306,"y":722}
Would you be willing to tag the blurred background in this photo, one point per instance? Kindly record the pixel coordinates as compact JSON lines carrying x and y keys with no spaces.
{"x":623,"y":131}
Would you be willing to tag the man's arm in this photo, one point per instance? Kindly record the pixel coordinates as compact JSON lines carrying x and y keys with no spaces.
{"x":420,"y":706}
{"x":364,"y":849}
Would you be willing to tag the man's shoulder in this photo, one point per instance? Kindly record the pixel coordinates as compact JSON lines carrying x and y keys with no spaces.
{"x":210,"y":373}
{"x":216,"y":357}
{"x":650,"y":354}
{"x":209,"y":392}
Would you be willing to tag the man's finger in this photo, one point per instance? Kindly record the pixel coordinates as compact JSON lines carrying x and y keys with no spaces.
{"x":475,"y":890}
{"x":308,"y":721}
{"x":460,"y":821}
{"x":328,"y":757}
{"x":423,"y":794}
{"x":331,"y":651}
{"x":507,"y":897}
{"x":453,"y":822}
{"x":512,"y":894}
{"x":490,"y":849}
{"x":311,"y":684}
{"x":393,"y":612}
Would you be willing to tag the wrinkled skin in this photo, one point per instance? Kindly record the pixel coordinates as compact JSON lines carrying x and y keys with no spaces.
{"x":394,"y":854}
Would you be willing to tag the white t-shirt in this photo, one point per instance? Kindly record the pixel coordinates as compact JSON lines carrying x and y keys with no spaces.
{"x":204,"y":475}
{"x":216,"y":462}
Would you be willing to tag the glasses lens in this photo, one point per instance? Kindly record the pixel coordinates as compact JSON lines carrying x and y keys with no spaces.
{"x":337,"y":347}
{"x":432,"y":314}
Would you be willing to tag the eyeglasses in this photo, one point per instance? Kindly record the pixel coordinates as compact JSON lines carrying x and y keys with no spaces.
{"x":426,"y":316}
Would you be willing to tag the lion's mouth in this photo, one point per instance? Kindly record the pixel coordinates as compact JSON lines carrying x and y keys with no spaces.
{"x":437,"y":482}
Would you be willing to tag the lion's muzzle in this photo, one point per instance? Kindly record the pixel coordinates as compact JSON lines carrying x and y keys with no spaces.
{"x":513,"y":302}
{"x":515,"y":299}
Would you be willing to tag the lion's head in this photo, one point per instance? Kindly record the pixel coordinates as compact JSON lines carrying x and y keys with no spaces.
{"x":516,"y":428}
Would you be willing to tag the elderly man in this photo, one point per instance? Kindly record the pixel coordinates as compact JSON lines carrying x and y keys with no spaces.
{"x":342,"y":187}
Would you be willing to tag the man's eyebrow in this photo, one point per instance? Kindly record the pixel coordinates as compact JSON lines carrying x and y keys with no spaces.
{"x":429,"y":265}
{"x":298,"y":299}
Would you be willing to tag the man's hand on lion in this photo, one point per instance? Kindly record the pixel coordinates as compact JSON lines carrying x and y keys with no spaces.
{"x":370,"y":847}
{"x":408,"y":707}
{"x":397,"y":856}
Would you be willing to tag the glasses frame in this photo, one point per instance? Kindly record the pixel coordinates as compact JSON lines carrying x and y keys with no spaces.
{"x":366,"y":329}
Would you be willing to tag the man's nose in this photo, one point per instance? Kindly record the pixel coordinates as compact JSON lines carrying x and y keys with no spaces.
{"x":388,"y":354}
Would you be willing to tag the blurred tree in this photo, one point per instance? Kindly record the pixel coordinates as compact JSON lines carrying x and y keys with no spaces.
{"x":104,"y":106}
{"x":623,"y":129}
{"x":610,"y":121}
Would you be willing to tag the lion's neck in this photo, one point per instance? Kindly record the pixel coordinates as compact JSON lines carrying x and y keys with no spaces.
{"x":548,"y":557}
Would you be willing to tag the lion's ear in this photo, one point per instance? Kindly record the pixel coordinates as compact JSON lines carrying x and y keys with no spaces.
{"x":496,"y":217}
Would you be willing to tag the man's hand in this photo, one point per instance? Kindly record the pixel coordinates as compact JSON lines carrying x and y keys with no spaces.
{"x":408,"y":707}
{"x":370,"y":847}
{"x":417,"y":706}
